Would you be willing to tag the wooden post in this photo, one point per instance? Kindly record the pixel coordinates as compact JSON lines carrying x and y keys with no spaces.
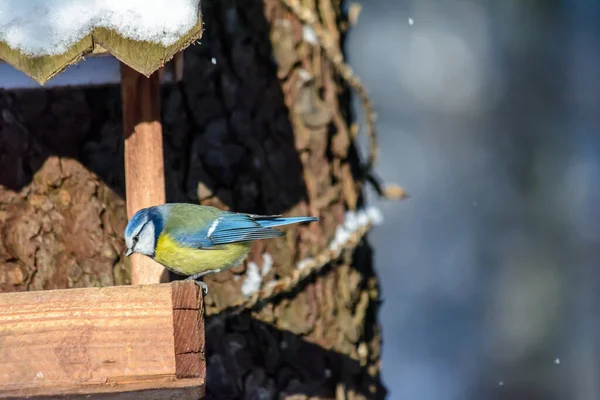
{"x":144,"y":164}
{"x":177,"y":64}
{"x":122,"y":342}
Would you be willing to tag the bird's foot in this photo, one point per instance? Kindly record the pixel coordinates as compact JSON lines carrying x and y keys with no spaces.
{"x":203,"y":285}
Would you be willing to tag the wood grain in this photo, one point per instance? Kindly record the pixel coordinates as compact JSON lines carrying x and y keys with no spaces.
{"x":188,"y":326}
{"x":99,"y":341}
{"x":144,"y":164}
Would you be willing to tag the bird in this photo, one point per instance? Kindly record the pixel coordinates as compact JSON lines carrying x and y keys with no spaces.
{"x":196,"y":240}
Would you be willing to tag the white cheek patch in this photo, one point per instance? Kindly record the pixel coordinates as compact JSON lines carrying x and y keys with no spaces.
{"x":146,"y":240}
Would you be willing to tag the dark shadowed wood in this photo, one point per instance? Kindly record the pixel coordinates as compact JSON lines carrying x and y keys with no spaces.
{"x":120,"y":341}
{"x":144,"y":169}
{"x":177,"y":64}
{"x":188,"y":327}
{"x":186,"y":389}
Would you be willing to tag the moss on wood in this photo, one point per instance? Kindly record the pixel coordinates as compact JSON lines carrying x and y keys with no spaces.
{"x":143,"y":56}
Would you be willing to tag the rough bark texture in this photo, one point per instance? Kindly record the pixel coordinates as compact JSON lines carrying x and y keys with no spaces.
{"x":259,"y":124}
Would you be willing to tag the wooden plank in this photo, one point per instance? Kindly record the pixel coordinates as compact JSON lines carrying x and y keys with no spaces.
{"x":43,"y":68}
{"x":188,"y":325}
{"x":100,"y":70}
{"x":144,"y":164}
{"x":185,"y":389}
{"x":98,"y":341}
{"x":144,"y":57}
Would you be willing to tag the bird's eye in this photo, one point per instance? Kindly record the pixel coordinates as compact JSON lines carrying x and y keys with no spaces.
{"x":135,"y":240}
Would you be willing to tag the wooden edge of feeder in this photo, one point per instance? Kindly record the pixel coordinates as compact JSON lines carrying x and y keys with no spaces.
{"x":124,"y":342}
{"x":143,"y":56}
{"x":98,"y":69}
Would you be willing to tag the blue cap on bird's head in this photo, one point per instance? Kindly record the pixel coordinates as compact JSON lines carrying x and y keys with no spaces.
{"x":140,"y":233}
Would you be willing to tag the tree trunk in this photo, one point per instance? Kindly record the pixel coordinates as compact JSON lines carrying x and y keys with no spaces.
{"x":259,"y":124}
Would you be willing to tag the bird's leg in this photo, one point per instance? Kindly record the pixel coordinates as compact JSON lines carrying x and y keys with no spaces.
{"x":201,"y":274}
{"x":203,"y":285}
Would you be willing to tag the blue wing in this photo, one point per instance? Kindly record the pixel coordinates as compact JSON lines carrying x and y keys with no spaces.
{"x":234,"y":228}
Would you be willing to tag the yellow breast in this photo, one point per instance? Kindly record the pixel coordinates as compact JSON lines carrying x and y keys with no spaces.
{"x":188,"y":261}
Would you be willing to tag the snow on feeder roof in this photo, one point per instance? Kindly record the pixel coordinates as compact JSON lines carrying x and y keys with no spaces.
{"x":43,"y":37}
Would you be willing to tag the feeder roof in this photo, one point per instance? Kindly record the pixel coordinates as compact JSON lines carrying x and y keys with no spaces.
{"x":43,"y":37}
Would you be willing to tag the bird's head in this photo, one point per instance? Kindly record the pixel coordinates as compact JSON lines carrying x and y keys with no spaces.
{"x":140,"y":233}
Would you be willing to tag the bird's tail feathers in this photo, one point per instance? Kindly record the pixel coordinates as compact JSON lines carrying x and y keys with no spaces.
{"x":275,"y":221}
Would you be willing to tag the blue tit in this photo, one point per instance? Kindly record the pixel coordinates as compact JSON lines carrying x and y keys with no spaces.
{"x":194,"y":240}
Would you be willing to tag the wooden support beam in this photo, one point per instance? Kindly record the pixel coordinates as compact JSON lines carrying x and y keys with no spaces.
{"x":123,"y":342}
{"x":144,"y":163}
{"x":177,"y":64}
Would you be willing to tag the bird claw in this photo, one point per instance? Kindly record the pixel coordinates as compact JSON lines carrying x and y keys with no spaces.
{"x":203,"y":285}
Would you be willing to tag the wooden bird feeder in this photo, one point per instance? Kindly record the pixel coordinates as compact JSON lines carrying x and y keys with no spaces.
{"x":139,"y":341}
{"x":121,"y":342}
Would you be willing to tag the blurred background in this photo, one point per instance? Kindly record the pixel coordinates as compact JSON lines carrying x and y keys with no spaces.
{"x":488,"y":115}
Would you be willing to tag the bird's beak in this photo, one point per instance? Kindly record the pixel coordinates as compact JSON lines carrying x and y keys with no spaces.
{"x":128,"y":252}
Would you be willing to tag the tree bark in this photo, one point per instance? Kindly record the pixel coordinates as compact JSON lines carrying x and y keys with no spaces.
{"x":260,"y":124}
